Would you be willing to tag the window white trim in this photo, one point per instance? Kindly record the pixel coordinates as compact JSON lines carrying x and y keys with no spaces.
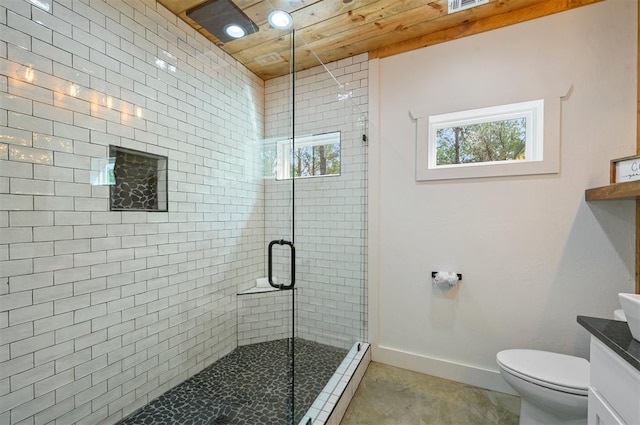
{"x":543,"y":141}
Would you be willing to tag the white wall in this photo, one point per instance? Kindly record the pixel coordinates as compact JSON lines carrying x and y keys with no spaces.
{"x":103,"y":311}
{"x":532,"y":252}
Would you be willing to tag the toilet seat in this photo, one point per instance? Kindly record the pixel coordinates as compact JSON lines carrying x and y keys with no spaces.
{"x":555,"y":371}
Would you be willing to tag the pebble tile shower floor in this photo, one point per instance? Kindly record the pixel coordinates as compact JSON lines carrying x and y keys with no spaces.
{"x":247,"y":386}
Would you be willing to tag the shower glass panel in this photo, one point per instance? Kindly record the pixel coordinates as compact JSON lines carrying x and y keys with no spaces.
{"x":330,"y":224}
{"x":305,"y":312}
{"x":314,"y":158}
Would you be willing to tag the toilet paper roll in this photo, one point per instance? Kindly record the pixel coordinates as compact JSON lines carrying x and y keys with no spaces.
{"x":445,"y":279}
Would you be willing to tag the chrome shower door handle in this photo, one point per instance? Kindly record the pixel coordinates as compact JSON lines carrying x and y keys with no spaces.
{"x":293,"y":264}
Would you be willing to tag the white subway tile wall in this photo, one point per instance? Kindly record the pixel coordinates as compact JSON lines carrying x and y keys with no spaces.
{"x":100,"y":311}
{"x":330,"y":211}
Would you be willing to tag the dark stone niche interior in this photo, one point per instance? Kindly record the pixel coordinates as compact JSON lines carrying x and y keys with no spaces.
{"x":140,"y":181}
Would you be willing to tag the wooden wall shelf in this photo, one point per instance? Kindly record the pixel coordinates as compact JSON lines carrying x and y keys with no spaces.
{"x":626,"y":190}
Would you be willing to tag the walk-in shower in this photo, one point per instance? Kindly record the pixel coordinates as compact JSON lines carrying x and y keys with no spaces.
{"x":301,"y":317}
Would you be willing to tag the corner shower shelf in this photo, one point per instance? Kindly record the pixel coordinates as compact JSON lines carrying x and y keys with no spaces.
{"x":258,"y":290}
{"x":626,"y":190}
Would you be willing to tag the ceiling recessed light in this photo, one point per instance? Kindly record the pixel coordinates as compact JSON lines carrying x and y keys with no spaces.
{"x":235,"y":31}
{"x":279,"y":19}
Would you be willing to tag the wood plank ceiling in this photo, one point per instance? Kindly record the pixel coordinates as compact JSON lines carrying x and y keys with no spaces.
{"x":330,"y":30}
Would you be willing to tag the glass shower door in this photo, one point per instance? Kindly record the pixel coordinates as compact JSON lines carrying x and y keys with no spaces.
{"x":328,"y":171}
{"x":315,"y":227}
{"x":277,"y":305}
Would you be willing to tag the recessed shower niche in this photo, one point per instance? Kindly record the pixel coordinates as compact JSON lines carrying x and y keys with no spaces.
{"x":138,"y":182}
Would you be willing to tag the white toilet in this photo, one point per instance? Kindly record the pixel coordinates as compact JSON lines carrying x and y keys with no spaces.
{"x":552,"y":387}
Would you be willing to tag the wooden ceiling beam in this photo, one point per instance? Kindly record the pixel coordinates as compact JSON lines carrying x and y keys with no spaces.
{"x":488,"y":23}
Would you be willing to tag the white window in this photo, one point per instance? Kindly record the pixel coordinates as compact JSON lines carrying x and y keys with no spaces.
{"x":308,"y":156}
{"x":494,"y":141}
{"x":488,"y":135}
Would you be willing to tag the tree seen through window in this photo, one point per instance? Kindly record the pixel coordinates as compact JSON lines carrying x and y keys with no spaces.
{"x":484,"y":142}
{"x":316,"y":160}
{"x":305,"y":156}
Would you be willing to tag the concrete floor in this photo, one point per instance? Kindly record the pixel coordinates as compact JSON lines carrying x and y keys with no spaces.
{"x":388,"y":395}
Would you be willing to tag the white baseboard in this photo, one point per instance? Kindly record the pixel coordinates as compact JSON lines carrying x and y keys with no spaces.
{"x":442,"y":368}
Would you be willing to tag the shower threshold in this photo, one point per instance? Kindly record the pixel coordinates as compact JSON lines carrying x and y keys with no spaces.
{"x":250,"y":385}
{"x":332,"y":402}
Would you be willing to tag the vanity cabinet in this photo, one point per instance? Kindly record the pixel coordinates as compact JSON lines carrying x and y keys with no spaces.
{"x":614,"y":389}
{"x":600,"y":412}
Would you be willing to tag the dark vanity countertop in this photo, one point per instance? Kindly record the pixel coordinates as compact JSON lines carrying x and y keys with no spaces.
{"x":615,"y":335}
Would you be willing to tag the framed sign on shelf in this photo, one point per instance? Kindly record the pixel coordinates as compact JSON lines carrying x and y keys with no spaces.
{"x":625,"y":169}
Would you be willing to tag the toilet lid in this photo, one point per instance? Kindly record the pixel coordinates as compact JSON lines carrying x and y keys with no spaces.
{"x":556,"y":369}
